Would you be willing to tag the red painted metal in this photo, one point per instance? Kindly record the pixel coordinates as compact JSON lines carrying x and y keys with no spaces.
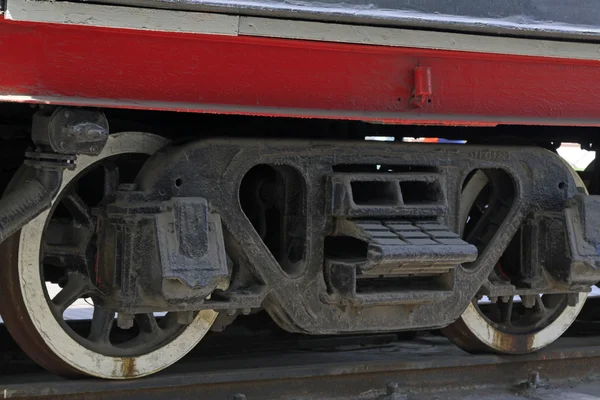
{"x":423,"y":90}
{"x":263,"y":76}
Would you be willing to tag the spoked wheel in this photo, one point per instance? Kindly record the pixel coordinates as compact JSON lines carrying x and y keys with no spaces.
{"x":51,"y":264}
{"x":506,"y":326}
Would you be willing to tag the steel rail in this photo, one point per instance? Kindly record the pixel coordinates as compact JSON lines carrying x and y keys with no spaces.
{"x":429,"y":366}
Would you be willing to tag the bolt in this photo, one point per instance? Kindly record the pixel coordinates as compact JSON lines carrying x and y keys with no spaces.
{"x":239,"y":396}
{"x":125,"y":320}
{"x":534,"y":380}
{"x":493,"y":299}
{"x":505,"y":299}
{"x":93,"y":149}
{"x":246,"y":311}
{"x":93,"y":131}
{"x":528,"y":300}
{"x":572,"y":299}
{"x":231,"y":312}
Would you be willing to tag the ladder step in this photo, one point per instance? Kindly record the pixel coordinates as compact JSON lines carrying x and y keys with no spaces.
{"x":407,"y":243}
{"x":402,"y":262}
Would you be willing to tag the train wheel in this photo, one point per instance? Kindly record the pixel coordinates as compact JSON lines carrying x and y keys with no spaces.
{"x":507,"y":326}
{"x":58,"y":249}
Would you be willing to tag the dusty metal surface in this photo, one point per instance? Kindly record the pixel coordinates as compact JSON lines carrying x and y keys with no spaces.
{"x":297,"y":294}
{"x":426,"y":368}
{"x":554,"y":18}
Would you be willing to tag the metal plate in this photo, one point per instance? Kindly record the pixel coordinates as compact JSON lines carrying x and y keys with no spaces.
{"x":547,"y":18}
{"x":299,"y":78}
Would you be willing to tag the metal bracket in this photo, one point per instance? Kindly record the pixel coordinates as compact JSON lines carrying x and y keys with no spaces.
{"x":70,"y":131}
{"x":422,"y":90}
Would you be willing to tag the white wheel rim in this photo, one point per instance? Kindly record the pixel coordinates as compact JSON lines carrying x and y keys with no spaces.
{"x":53,"y":334}
{"x":493,"y":337}
{"x":498,"y":340}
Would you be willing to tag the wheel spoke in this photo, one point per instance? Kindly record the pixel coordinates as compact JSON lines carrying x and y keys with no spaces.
{"x":111,"y":183}
{"x":65,"y":245}
{"x":540,"y":307}
{"x":147,"y":323}
{"x":78,"y":209}
{"x":102,"y":323}
{"x":64,"y":256}
{"x":506,"y":311}
{"x":59,"y":231}
{"x":150,"y":331}
{"x":76,"y":287}
{"x":482,"y":223}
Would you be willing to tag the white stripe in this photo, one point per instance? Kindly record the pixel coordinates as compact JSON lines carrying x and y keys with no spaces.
{"x":371,"y":35}
{"x":121,"y":17}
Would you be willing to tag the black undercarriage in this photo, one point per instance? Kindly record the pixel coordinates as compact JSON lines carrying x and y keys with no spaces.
{"x":351,"y":238}
{"x":327,"y":232}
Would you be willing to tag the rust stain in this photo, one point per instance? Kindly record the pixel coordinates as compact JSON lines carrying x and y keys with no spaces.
{"x":513,"y":343}
{"x":128,"y":367}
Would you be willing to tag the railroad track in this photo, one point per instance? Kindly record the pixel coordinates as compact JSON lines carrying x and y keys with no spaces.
{"x":253,"y":359}
{"x":426,"y":367}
